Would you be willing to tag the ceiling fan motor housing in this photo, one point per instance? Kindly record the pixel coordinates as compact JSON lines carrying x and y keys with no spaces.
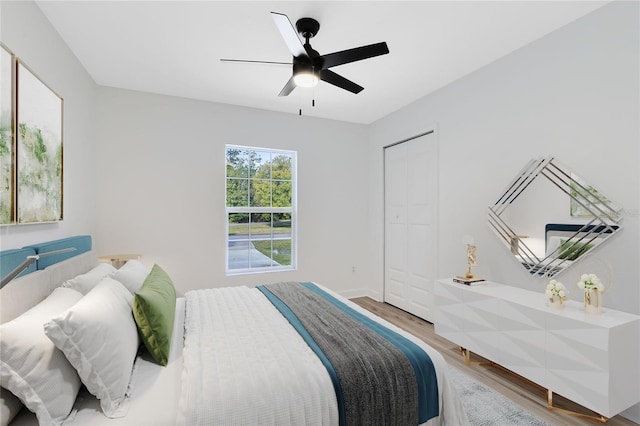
{"x":307,"y":27}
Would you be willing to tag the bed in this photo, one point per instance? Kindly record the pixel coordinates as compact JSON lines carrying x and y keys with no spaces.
{"x":235,"y":355}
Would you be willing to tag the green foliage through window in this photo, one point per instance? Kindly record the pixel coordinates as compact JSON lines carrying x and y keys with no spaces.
{"x":258,"y":178}
{"x":260,"y":208}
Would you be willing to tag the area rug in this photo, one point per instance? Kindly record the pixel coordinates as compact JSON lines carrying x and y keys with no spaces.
{"x":484,"y":407}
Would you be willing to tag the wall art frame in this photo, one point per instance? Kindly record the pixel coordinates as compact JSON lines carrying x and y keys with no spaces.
{"x":39,"y":156}
{"x":7,"y":140}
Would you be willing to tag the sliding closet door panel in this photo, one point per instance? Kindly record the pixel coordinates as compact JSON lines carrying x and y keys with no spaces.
{"x":410,"y":240}
{"x":396,"y":270}
{"x":396,"y":225}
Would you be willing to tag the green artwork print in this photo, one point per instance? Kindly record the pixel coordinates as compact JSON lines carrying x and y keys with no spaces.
{"x":39,"y":150}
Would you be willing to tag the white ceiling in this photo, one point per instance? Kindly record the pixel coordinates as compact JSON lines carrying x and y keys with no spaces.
{"x":175,"y":47}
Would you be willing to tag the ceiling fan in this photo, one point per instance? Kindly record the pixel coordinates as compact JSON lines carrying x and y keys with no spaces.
{"x":308,"y":65}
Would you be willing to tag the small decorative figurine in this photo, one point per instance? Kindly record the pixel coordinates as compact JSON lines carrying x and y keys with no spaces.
{"x":469,"y":278}
{"x":471,"y":260}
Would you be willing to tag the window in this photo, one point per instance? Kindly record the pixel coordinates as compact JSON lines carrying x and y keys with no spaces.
{"x":260,"y":209}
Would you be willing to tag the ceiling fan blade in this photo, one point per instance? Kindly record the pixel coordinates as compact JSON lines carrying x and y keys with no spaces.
{"x":338,"y":80}
{"x":289,"y":34}
{"x":248,"y":61}
{"x":288,"y":88}
{"x":355,"y":54}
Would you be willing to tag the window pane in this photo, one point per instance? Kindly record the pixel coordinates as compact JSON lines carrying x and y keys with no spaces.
{"x":260,"y":193}
{"x":282,"y":194}
{"x":281,"y":167}
{"x":281,"y":248}
{"x":239,"y":225}
{"x":260,"y":225}
{"x":237,"y":192}
{"x":238,"y":243}
{"x":260,"y":162}
{"x":237,"y":163}
{"x":281,"y":224}
{"x":261,"y":256}
{"x":281,"y":251}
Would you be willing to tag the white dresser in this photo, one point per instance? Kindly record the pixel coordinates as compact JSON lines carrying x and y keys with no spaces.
{"x":593,"y":360}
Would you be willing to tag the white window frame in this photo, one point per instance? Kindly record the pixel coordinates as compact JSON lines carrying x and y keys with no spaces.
{"x":291,"y":210}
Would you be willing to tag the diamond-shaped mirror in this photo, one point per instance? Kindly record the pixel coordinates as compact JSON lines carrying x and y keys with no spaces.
{"x":549,"y":217}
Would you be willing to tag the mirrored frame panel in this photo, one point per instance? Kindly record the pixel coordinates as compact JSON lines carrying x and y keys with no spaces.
{"x":548,"y":217}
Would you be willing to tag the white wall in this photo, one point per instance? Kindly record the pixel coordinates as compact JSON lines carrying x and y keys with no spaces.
{"x":30,"y":36}
{"x":573,"y":94}
{"x":161,"y":168}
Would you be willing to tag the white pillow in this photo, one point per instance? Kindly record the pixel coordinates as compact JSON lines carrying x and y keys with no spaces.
{"x":98,"y":335}
{"x":10,"y":406}
{"x":85,"y":282}
{"x":30,"y":365}
{"x":132,"y":275}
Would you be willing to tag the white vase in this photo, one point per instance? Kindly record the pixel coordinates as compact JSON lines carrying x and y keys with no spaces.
{"x":592,"y":301}
{"x":556,"y":302}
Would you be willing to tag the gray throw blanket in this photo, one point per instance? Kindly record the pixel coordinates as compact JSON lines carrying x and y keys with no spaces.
{"x":376,"y":380}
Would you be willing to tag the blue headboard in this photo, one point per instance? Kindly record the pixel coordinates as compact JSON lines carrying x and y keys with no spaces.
{"x":10,"y":259}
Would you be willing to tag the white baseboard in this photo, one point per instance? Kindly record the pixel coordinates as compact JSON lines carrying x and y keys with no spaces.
{"x":632,"y":413}
{"x":362,"y":292}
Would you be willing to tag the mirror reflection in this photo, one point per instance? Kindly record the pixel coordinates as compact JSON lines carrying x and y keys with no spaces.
{"x":549,"y":217}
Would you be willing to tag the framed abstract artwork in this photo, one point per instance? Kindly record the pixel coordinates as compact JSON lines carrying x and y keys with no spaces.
{"x":39,"y":165}
{"x":7,"y":114}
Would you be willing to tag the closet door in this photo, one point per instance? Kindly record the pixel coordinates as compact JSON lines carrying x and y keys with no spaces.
{"x":410,"y":194}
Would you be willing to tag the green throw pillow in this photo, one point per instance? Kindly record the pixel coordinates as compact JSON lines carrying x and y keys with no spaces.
{"x":154,"y":308}
{"x":571,"y":251}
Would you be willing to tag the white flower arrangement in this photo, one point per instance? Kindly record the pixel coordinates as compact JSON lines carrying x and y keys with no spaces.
{"x":556,"y":288}
{"x":590,"y":281}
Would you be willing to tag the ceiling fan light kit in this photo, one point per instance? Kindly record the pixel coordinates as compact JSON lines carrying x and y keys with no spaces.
{"x":305,"y":79}
{"x":305,"y":75}
{"x":309,"y":67}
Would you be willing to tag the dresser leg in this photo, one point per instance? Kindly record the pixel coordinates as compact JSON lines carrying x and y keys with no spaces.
{"x":466,"y":354}
{"x":598,"y":417}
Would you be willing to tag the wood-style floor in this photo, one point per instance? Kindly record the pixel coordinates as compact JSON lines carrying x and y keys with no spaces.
{"x":526,"y":394}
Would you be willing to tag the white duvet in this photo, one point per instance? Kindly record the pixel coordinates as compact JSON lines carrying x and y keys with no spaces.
{"x":239,"y":348}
